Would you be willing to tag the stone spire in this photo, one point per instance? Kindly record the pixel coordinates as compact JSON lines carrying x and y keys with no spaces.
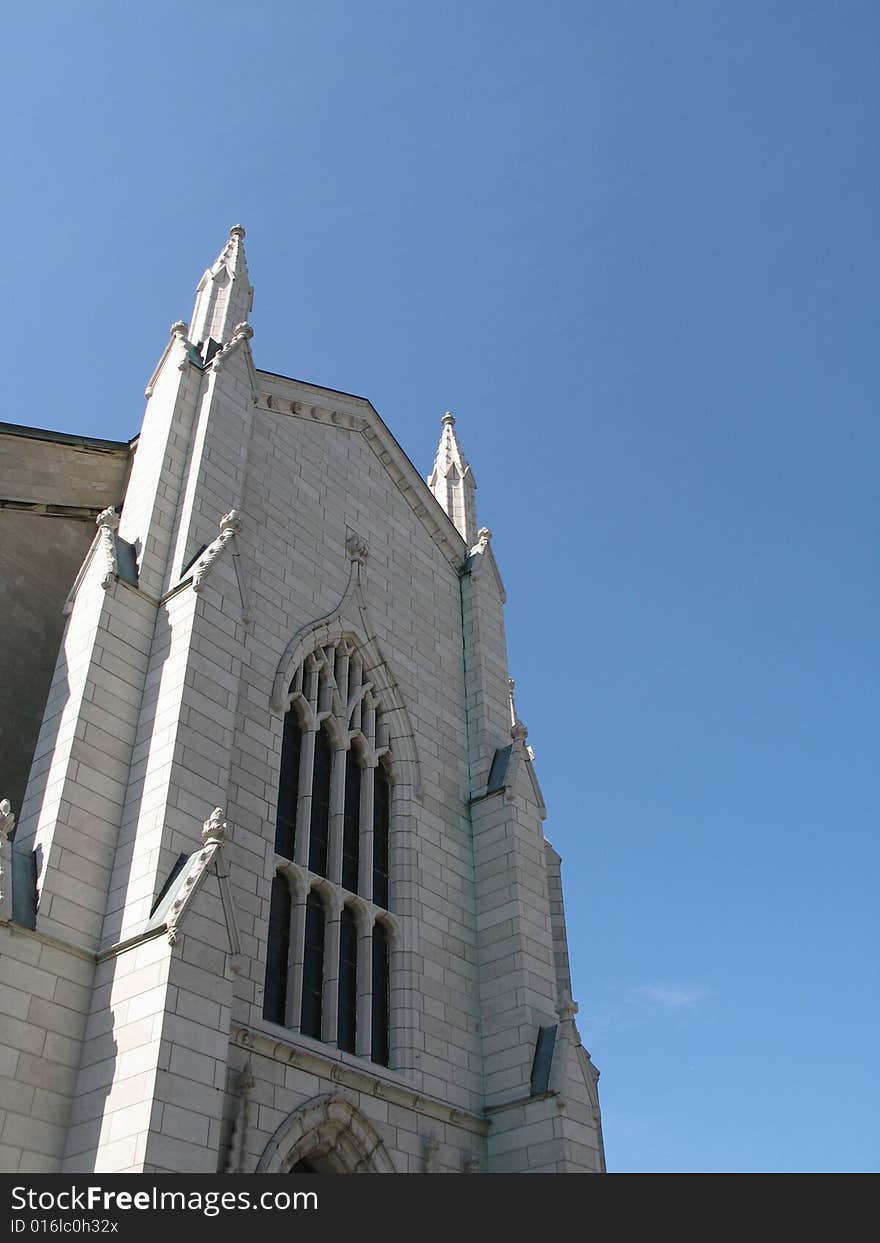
{"x":453,"y":484}
{"x":224,"y":296}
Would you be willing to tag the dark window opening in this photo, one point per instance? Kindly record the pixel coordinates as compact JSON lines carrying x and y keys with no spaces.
{"x":313,"y":968}
{"x":288,"y":786}
{"x":320,"y":826}
{"x":275,"y":991}
{"x":351,"y":822}
{"x":381,"y":817}
{"x":380,"y":1041}
{"x":346,"y":1035}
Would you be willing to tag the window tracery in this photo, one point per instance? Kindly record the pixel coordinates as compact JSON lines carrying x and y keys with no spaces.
{"x":328,"y":960}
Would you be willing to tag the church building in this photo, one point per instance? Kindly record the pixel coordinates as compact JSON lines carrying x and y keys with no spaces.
{"x":275,"y":894}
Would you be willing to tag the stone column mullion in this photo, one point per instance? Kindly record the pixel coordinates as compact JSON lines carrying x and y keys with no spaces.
{"x":365,"y":852}
{"x":330,"y":1002}
{"x":337,"y":817}
{"x":399,"y":1015}
{"x":364,"y":989}
{"x":304,"y":798}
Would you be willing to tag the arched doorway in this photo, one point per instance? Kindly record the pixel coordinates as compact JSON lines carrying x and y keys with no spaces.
{"x":326,"y":1135}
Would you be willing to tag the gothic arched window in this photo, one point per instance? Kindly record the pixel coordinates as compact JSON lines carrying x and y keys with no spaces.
{"x":334,"y":840}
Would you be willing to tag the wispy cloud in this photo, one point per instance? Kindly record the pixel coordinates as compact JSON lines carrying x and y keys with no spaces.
{"x":645,"y":1003}
{"x":669,"y":996}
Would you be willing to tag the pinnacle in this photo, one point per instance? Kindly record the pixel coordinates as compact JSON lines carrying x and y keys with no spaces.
{"x":452,"y":480}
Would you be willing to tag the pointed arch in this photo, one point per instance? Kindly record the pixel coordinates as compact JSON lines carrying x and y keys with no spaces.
{"x":349,"y":624}
{"x":328,"y":1128}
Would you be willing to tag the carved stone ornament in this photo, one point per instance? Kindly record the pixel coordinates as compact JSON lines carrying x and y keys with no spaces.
{"x":241,"y":333}
{"x":107,"y":523}
{"x":230,"y":526}
{"x":484,"y":536}
{"x":357,"y":548}
{"x":215,"y":828}
{"x":567,"y":1008}
{"x":7,"y":824}
{"x":7,"y":819}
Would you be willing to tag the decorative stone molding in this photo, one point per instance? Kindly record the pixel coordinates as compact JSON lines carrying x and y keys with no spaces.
{"x":215,"y":834}
{"x":356,"y":1078}
{"x":102,"y":546}
{"x":230,"y":525}
{"x":329,"y":1129}
{"x":241,"y":333}
{"x":7,"y":825}
{"x":229,"y":528}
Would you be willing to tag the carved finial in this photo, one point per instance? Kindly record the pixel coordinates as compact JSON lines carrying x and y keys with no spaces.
{"x":178,"y":329}
{"x":242,"y":331}
{"x":231,"y":522}
{"x":357,"y":548}
{"x":567,"y":1007}
{"x":108,"y":518}
{"x":7,"y":819}
{"x":448,"y":419}
{"x":215,"y":828}
{"x":518,"y":731}
{"x":237,"y":230}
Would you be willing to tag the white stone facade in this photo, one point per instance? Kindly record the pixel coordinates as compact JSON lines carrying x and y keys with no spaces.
{"x":272,"y":520}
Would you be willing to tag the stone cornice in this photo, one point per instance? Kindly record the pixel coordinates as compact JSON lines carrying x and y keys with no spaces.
{"x":377,"y":1080}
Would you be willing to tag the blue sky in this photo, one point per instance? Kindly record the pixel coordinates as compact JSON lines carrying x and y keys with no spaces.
{"x":633,"y":246}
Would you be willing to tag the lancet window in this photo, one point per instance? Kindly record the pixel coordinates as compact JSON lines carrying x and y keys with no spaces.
{"x":331,"y":933}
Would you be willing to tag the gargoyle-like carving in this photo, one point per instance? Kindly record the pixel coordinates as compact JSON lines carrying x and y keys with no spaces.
{"x":432,"y":1147}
